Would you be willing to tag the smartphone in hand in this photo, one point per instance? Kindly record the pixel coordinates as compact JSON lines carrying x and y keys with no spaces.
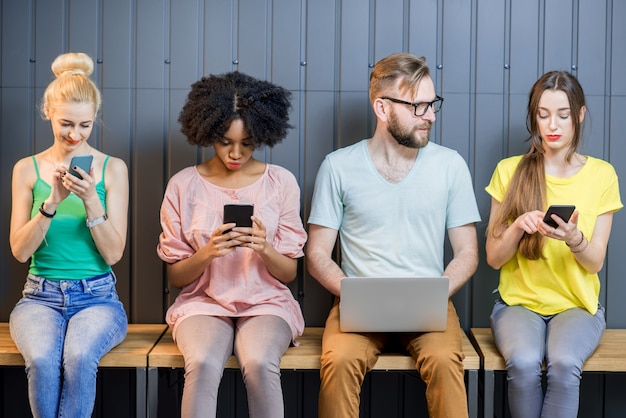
{"x":562,"y":211}
{"x":82,"y":161}
{"x":239,"y":214}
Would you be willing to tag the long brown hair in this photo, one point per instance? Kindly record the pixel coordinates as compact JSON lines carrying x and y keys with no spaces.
{"x":527,"y":190}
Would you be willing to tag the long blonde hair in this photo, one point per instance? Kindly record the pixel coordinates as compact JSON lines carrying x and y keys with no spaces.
{"x":72,"y":83}
{"x":527,"y":190}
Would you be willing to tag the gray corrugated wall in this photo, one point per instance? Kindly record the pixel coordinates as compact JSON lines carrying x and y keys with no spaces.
{"x":485,"y":55}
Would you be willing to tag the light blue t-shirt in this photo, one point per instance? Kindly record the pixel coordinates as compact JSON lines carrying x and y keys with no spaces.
{"x":393,"y":229}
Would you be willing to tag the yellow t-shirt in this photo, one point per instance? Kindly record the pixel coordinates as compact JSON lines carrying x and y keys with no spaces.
{"x":557,"y":282}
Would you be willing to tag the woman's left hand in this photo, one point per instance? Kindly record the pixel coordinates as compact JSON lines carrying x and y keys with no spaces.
{"x":254,"y":238}
{"x":566,"y":231}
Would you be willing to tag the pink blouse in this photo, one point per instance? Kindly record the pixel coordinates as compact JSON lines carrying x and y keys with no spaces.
{"x":237,"y":284}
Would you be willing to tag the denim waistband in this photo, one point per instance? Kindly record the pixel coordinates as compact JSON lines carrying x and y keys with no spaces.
{"x":98,"y":277}
{"x":84,"y":284}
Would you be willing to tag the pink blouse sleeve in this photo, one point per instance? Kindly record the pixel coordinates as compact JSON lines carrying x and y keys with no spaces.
{"x":172,"y":245}
{"x":290,"y":235}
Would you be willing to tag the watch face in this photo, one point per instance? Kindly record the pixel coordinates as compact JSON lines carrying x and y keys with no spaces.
{"x":97,"y":221}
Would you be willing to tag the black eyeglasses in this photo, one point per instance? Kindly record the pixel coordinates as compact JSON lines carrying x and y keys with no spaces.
{"x":422,"y":107}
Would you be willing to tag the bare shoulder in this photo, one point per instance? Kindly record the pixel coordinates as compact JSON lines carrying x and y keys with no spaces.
{"x":24,"y":171}
{"x":25,"y":163}
{"x":117,"y":166}
{"x":116,"y":171}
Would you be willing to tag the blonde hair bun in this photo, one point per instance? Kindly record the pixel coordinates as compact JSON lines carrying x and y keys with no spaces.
{"x":72,"y":63}
{"x":72,"y":83}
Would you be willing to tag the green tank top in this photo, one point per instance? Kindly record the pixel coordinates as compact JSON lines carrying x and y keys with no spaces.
{"x":68,"y":251}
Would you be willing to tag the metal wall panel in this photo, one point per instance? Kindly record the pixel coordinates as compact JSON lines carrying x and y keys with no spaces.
{"x":84,"y":34}
{"x":455,"y":45}
{"x":117,"y":44}
{"x":319,"y":127}
{"x":525,"y":32}
{"x":286,"y":33}
{"x":490,"y":46}
{"x":592,"y":53}
{"x":595,"y":135}
{"x":354,"y":51}
{"x":116,"y":140}
{"x":616,"y":16}
{"x":615,"y":265}
{"x":148,"y":170}
{"x":185,"y":35}
{"x":490,"y":131}
{"x":50,"y":37}
{"x":254,"y":41}
{"x":15,"y":127}
{"x":390,"y":15}
{"x":15,"y":65}
{"x":558,"y":39}
{"x":220,"y":36}
{"x":321,"y":59}
{"x":150,"y":51}
{"x":424,"y":26}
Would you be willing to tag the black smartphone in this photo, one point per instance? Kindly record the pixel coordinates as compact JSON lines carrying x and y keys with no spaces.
{"x":239,"y":214}
{"x":562,"y":211}
{"x":82,"y":161}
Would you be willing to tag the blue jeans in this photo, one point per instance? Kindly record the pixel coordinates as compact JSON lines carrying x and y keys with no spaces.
{"x":63,"y":329}
{"x":564,"y":340}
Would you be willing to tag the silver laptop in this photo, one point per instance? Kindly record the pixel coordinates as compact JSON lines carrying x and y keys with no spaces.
{"x":393,"y":304}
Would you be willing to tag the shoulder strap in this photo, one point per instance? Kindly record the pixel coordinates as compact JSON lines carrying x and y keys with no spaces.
{"x":104,"y":166}
{"x":36,"y":166}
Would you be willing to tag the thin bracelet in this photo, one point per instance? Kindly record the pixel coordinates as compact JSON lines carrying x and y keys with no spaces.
{"x":574,"y":250}
{"x":46,"y":214}
{"x":582,"y":238}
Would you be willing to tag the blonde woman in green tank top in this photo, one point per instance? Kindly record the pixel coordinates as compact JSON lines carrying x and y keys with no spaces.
{"x":70,"y":224}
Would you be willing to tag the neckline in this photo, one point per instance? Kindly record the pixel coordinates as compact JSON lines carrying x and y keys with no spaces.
{"x":204,"y":179}
{"x":562,"y":180}
{"x":408,"y":173}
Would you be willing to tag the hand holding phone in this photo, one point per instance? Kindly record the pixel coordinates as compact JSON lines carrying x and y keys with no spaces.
{"x":82,"y":161}
{"x":239,"y":214}
{"x":562,"y":211}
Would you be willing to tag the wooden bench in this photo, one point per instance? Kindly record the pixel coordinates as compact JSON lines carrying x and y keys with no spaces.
{"x":131,"y":353}
{"x":610,"y":356}
{"x":307,"y":357}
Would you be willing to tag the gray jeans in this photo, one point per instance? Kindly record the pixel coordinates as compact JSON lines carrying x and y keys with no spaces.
{"x":564,"y":340}
{"x":258,"y":342}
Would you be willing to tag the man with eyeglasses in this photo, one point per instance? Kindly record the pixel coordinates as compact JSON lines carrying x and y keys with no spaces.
{"x":392,"y":198}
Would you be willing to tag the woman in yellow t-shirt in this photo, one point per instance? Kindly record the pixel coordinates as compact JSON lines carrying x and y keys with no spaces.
{"x":548,"y":308}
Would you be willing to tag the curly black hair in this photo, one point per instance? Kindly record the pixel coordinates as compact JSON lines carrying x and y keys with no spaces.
{"x":215,"y":101}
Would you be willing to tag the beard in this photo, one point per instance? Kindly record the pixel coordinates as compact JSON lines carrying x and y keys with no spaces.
{"x":407,"y":136}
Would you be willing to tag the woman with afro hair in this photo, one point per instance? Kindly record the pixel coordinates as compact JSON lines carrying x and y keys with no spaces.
{"x":233,"y":279}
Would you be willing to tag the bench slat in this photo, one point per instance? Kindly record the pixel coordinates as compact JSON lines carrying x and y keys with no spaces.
{"x":9,"y":355}
{"x":610,"y":356}
{"x":132,"y":352}
{"x":304,"y":357}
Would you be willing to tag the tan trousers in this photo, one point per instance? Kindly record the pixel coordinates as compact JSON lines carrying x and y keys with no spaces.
{"x":346,"y":357}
